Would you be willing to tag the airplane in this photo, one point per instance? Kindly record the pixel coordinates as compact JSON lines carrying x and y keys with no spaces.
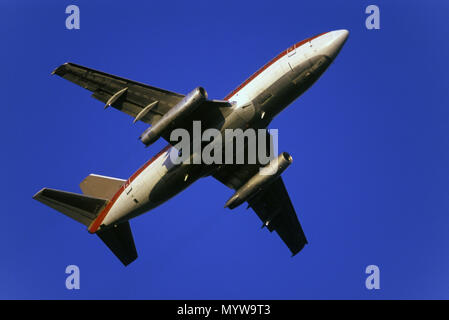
{"x":107,"y":204}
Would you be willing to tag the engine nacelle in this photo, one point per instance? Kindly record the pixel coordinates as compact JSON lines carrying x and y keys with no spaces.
{"x":184,"y":107}
{"x":264,"y":177}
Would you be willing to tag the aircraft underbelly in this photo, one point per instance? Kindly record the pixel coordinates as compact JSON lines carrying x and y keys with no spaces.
{"x":163,"y":180}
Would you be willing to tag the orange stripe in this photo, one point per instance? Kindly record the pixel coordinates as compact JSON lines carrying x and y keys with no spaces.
{"x":279,"y":56}
{"x":97,"y":222}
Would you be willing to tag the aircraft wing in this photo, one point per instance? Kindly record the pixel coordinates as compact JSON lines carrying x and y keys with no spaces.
{"x":272,"y":204}
{"x":140,"y":101}
{"x":275,"y":209}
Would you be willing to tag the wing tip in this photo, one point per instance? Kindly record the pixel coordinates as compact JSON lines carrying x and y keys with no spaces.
{"x":298,"y":249}
{"x":60,"y":68}
{"x":127,"y":261}
{"x":37,"y":194}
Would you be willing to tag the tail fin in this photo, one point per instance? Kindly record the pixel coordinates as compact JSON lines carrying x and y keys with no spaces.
{"x":101,"y":186}
{"x":81,"y":208}
{"x":85,"y":209}
{"x":119,"y":240}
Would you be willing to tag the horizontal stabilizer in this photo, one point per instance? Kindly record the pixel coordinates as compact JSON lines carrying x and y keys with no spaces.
{"x":81,"y":208}
{"x":98,"y":186}
{"x":119,"y":239}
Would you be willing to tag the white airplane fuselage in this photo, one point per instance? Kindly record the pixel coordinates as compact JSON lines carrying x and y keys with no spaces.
{"x":255,"y":103}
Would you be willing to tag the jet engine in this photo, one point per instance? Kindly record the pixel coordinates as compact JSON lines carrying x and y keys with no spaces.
{"x":183,"y":108}
{"x":264,"y":177}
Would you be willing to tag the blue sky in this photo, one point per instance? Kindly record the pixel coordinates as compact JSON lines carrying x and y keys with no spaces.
{"x":369,"y":140}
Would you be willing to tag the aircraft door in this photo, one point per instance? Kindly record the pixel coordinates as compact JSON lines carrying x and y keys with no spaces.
{"x":130,"y":192}
{"x":291,"y":54}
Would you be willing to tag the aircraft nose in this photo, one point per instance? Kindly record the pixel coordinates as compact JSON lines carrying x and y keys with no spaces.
{"x":340,"y":36}
{"x":333,"y":42}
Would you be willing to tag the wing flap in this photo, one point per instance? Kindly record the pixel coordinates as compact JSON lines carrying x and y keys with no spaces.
{"x":140,"y":101}
{"x":103,"y":87}
{"x":272,"y":205}
{"x":275,"y":209}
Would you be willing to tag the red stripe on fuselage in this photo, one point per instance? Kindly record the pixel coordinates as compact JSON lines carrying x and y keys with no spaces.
{"x":97,"y":222}
{"x":279,"y":56}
